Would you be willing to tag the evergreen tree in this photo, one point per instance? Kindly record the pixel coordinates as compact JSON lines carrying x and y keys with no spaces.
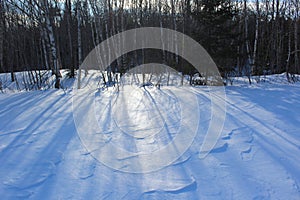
{"x":216,"y":31}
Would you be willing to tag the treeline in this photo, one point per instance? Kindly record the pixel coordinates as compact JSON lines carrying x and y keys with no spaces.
{"x":243,"y":37}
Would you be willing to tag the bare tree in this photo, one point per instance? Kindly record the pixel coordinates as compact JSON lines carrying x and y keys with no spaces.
{"x":44,"y":4}
{"x":247,"y":43}
{"x":256,"y":34}
{"x":69,"y":17}
{"x":2,"y":24}
{"x":296,"y":15}
{"x":79,"y":44}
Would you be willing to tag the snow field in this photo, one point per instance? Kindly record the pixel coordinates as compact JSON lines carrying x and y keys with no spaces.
{"x":256,"y":157}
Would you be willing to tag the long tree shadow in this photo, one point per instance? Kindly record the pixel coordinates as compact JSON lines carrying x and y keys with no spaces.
{"x":31,"y":157}
{"x":282,"y":101}
{"x":37,"y":120}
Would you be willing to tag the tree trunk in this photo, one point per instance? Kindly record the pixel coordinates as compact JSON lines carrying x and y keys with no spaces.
{"x":248,"y":70}
{"x":296,"y":38}
{"x":44,"y":48}
{"x":72,"y":67}
{"x":289,"y":56}
{"x":175,"y":29}
{"x":256,"y":35}
{"x":54,"y":59}
{"x":79,"y":44}
{"x":2,"y":27}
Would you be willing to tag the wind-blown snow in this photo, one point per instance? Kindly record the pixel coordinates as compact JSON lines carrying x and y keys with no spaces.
{"x":256,"y":157}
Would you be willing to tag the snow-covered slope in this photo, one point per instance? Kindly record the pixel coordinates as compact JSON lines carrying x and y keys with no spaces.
{"x":256,"y":157}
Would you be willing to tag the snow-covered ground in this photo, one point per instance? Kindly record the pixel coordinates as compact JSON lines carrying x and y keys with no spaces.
{"x":257,"y":156}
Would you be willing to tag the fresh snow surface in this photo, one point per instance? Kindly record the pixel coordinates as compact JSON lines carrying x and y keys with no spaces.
{"x":256,"y":157}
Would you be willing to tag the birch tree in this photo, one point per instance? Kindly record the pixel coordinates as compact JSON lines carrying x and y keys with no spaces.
{"x":247,"y":43}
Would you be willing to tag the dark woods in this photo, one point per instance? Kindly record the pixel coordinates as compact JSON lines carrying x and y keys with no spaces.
{"x":243,"y":37}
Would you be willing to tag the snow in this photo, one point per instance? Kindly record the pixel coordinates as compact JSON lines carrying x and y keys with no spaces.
{"x":42,"y":155}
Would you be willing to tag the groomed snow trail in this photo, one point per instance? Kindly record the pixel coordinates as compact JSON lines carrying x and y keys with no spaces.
{"x":256,"y":157}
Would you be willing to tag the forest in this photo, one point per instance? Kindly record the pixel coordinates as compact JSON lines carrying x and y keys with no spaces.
{"x":244,"y":37}
{"x":150,"y":99}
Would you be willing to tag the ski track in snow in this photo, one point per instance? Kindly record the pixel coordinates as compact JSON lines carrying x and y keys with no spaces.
{"x":256,"y":157}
